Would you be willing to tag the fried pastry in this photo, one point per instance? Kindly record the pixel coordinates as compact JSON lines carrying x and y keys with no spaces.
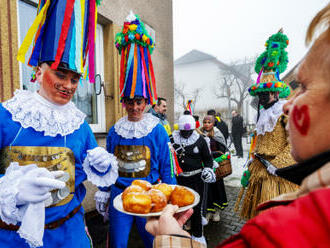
{"x":143,"y":184}
{"x":132,"y":188}
{"x":181,"y":196}
{"x":158,"y":200}
{"x":137,"y":202}
{"x":165,"y":188}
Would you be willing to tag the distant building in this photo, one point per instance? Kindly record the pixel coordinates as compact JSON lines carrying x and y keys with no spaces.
{"x":290,"y":78}
{"x":196,"y":70}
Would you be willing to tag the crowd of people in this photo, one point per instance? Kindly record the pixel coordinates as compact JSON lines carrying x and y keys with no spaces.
{"x":48,"y":149}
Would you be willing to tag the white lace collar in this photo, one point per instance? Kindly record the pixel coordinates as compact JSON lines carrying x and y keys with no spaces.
{"x":268,"y":117}
{"x":136,"y":129}
{"x":32,"y":110}
{"x":178,"y":139}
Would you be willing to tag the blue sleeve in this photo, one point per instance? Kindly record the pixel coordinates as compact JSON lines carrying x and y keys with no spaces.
{"x":90,"y":142}
{"x":111,"y":136}
{"x":1,"y":129}
{"x":1,"y":125}
{"x":166,"y":173}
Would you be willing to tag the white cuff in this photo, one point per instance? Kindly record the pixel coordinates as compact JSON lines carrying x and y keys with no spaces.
{"x":9,"y":212}
{"x":102,"y":196}
{"x":102,"y":180}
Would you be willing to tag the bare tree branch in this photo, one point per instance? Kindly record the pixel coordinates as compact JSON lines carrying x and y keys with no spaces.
{"x":182,"y":95}
{"x":234,"y":81}
{"x":179,"y":93}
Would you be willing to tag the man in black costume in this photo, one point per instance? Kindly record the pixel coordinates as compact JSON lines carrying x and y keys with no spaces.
{"x":196,"y":162}
{"x":237,"y":132}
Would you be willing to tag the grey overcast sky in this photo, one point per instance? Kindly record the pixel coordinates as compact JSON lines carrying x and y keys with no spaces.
{"x":234,"y":29}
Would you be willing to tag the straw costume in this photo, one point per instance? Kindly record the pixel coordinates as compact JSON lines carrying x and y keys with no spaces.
{"x":39,"y":137}
{"x":271,"y":138}
{"x":141,"y":147}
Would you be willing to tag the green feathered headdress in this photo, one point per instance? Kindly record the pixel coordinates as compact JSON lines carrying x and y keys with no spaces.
{"x":270,"y":64}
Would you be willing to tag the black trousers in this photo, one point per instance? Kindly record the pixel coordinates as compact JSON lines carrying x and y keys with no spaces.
{"x":196,"y":183}
{"x":216,"y":196}
{"x":237,"y":139}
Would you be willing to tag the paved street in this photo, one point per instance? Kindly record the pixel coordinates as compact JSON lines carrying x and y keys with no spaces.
{"x":229,"y":224}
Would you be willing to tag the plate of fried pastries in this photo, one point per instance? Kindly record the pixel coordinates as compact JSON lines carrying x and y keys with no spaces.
{"x":145,"y":200}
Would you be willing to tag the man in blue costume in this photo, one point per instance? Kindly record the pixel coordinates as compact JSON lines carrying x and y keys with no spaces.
{"x":138,"y":140}
{"x":47,"y":148}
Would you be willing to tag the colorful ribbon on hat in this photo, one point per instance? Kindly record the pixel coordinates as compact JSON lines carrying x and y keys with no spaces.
{"x":65,"y":29}
{"x":40,"y":19}
{"x":81,"y":44}
{"x":138,"y":59}
{"x":277,"y":75}
{"x":259,"y":75}
{"x":137,"y":76}
{"x":189,"y":106}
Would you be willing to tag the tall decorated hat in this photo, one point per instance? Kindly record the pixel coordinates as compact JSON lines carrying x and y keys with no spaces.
{"x":135,"y":46}
{"x":63,"y":35}
{"x":189,"y":107}
{"x":270,"y":64}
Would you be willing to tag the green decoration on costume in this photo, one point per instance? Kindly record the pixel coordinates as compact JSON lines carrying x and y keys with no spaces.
{"x":270,"y":64}
{"x":245,"y":178}
{"x":172,"y":165}
{"x":285,"y":93}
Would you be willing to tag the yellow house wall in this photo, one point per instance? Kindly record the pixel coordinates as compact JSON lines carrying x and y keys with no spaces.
{"x":9,"y":69}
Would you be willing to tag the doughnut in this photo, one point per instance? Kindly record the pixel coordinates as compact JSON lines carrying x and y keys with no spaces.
{"x":143,"y":184}
{"x":137,"y":202}
{"x":165,"y":188}
{"x":132,"y":188}
{"x":181,"y":196}
{"x":158,"y":200}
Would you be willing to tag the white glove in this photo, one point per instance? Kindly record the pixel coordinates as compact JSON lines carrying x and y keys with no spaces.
{"x":99,"y":158}
{"x":208,"y":175}
{"x":36,"y":185}
{"x":102,"y":202}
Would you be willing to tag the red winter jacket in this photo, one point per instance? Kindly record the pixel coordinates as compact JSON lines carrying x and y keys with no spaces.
{"x":303,"y":223}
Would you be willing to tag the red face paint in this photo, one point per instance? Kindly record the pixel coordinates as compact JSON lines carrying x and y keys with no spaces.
{"x":301,"y":119}
{"x":47,"y":78}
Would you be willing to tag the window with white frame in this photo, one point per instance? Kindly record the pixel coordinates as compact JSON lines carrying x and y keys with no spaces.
{"x":85,"y":98}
